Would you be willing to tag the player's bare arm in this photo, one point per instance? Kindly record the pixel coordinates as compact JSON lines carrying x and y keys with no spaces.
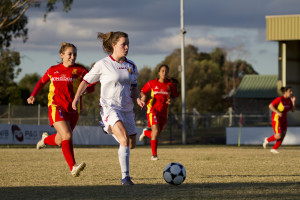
{"x":81,"y":89}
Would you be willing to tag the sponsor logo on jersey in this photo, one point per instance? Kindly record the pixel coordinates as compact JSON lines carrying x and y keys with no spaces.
{"x":74,"y":71}
{"x":161,"y":92}
{"x":62,"y":79}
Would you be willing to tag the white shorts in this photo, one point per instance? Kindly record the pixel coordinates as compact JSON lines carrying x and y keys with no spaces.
{"x":110,"y":116}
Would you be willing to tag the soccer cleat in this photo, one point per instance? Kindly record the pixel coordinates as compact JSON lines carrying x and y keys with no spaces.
{"x":154,"y":158}
{"x":127,"y":181}
{"x":142,"y":136}
{"x":265,"y":143}
{"x":274,"y":151}
{"x":77,"y":169}
{"x":41,"y":143}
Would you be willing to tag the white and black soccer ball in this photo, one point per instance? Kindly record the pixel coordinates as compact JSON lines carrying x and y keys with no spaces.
{"x":174,"y":173}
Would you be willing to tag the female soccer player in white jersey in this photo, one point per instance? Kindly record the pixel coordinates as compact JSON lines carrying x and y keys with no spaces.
{"x":118,"y":79}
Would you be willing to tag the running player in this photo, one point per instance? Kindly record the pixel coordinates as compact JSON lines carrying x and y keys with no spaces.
{"x":163,"y":91}
{"x":63,"y":78}
{"x":118,"y":79}
{"x":280,"y":106}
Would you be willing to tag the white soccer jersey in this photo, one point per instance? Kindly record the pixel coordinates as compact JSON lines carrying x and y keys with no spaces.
{"x":116,"y":81}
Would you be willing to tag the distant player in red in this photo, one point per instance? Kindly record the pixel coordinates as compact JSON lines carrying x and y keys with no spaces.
{"x":63,"y":78}
{"x":163,"y":91}
{"x":280,"y":106}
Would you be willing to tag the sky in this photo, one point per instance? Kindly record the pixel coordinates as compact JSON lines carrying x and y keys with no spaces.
{"x":239,"y":26}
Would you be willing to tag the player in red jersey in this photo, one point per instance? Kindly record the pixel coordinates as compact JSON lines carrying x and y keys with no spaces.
{"x":63,"y":78}
{"x":163,"y":91}
{"x":280,"y":106}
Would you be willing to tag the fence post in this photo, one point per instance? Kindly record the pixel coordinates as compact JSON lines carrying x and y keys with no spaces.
{"x":230,"y":116}
{"x":8,"y":114}
{"x":39,"y":114}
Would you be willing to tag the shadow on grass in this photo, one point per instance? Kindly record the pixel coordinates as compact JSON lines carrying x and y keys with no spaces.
{"x":285,"y":190}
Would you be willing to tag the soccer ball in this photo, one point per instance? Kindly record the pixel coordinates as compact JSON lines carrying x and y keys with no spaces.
{"x":174,"y":173}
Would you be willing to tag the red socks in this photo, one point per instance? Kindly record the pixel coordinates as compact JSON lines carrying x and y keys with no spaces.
{"x":148,"y":133}
{"x":154,"y":147}
{"x":67,"y":151}
{"x":50,"y":140}
{"x":72,"y":149}
{"x":277,"y":144}
{"x":271,"y":139}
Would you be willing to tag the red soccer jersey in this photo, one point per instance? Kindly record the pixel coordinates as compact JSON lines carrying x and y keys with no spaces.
{"x":160,"y":92}
{"x":64,"y":80}
{"x":283,"y":105}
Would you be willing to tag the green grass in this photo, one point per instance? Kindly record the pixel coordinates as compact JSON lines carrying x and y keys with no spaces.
{"x":213,"y":172}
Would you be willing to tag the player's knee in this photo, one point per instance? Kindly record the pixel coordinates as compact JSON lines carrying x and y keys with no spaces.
{"x":278,"y":136}
{"x":123,"y":142}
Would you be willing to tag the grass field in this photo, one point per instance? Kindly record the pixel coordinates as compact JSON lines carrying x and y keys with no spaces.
{"x":213,"y":172}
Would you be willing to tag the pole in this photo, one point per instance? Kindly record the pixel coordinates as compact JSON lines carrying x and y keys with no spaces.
{"x":240,"y":128}
{"x":182,"y":74}
{"x":39,"y":114}
{"x":283,"y":64}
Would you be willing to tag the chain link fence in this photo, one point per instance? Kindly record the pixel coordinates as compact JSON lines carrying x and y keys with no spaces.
{"x":200,"y":128}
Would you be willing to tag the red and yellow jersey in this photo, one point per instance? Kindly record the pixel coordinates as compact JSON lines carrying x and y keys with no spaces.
{"x":64,"y":81}
{"x":160,"y":93}
{"x":283,"y":105}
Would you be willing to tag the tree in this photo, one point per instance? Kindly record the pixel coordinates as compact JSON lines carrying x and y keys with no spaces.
{"x":27,"y":84}
{"x":209,"y":78}
{"x":13,"y":20}
{"x":13,"y":23}
{"x":9,"y":60}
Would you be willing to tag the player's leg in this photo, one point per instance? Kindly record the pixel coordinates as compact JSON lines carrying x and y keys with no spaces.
{"x":279,"y":136}
{"x":276,"y":128}
{"x":63,"y":137}
{"x":147,"y":131}
{"x":161,"y":122}
{"x":154,"y":140}
{"x":132,"y":141}
{"x":49,"y":139}
{"x":72,"y":118}
{"x":120,"y":133}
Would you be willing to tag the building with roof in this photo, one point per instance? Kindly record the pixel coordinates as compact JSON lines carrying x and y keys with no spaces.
{"x":285,"y":29}
{"x":255,"y":93}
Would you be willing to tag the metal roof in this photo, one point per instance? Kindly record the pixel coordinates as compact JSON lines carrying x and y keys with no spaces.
{"x":257,"y":86}
{"x":283,"y":27}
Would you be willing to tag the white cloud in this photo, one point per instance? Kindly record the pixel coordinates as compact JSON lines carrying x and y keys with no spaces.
{"x":154,"y":27}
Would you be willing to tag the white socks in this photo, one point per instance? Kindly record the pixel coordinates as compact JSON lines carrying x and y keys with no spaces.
{"x":124,"y":160}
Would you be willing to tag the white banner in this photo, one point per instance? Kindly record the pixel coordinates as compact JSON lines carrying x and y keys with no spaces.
{"x":256,"y":135}
{"x":31,"y":134}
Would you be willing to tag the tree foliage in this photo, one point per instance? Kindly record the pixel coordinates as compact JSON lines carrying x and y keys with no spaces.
{"x":13,"y":23}
{"x":8,"y":63}
{"x":13,"y":20}
{"x":211,"y":80}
